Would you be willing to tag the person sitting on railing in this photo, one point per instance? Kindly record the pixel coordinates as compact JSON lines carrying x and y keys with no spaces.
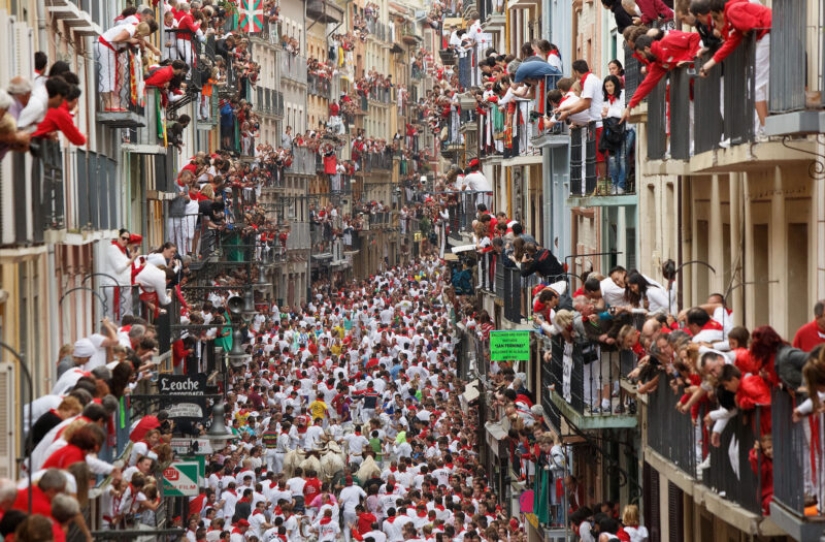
{"x":664,"y":52}
{"x":153,"y":281}
{"x":735,"y":20}
{"x":540,"y":261}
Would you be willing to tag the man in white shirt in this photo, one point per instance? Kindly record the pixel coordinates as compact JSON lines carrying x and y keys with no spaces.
{"x":475,"y":181}
{"x":591,"y":100}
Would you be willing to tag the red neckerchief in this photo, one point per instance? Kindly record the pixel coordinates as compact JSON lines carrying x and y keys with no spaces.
{"x":326,"y":520}
{"x":256,"y":512}
{"x":232,"y":491}
{"x":122,"y":249}
{"x":584,"y":77}
{"x":422,"y":514}
{"x":612,"y":98}
{"x":713,"y":325}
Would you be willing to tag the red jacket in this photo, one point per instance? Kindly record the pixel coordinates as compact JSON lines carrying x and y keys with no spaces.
{"x":674,"y":48}
{"x":807,"y":337}
{"x":160,"y":77}
{"x":753,"y":391}
{"x":742,"y":17}
{"x":60,"y":118}
{"x":652,"y":10}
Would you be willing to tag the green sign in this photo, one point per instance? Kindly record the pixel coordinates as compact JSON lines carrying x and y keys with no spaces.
{"x":510,"y":346}
{"x":181,"y":479}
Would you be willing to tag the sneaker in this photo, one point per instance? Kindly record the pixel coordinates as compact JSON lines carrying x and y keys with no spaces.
{"x":619,"y":409}
{"x":613,"y":190}
{"x":761,"y":137}
{"x":704,"y":464}
{"x":725,"y":143}
{"x":620,"y":191}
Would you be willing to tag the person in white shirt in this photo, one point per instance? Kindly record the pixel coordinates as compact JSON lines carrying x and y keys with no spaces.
{"x":349,"y":498}
{"x":591,"y":101}
{"x":327,"y":529}
{"x":153,"y":281}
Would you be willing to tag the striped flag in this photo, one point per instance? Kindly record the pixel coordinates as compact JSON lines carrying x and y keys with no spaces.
{"x":251,"y":16}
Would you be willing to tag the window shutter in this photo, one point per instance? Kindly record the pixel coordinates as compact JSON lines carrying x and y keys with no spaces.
{"x":8,"y":394}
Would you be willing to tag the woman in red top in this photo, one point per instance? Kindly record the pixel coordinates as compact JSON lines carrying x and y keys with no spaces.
{"x":83,"y":441}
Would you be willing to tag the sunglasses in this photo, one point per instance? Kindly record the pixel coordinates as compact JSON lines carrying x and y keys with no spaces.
{"x":124,"y":238}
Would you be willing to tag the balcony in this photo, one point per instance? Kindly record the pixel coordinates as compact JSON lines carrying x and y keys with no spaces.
{"x":729,"y":487}
{"x":145,"y":140}
{"x":376,"y":162}
{"x":319,"y":86}
{"x":93,"y":200}
{"x":462,"y":210}
{"x":381,"y":95}
{"x":453,"y":141}
{"x":584,"y":377}
{"x":324,"y":11}
{"x":797,"y":77}
{"x":126,"y":108}
{"x":303,"y":161}
{"x":294,"y":68}
{"x":407,"y":33}
{"x":492,"y":16}
{"x":28,"y":210}
{"x":378,"y":30}
{"x":78,"y":16}
{"x":792,"y":453}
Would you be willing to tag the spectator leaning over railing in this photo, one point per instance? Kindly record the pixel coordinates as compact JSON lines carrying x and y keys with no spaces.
{"x":734,"y":20}
{"x":108,"y":48}
{"x":663,"y":52}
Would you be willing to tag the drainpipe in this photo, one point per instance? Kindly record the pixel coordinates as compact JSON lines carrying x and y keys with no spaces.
{"x":42,"y":37}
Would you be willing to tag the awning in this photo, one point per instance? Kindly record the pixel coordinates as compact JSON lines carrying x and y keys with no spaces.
{"x":471,"y":393}
{"x":495,"y":437}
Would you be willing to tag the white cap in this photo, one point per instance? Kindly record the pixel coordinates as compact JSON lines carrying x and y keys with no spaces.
{"x":559,"y":287}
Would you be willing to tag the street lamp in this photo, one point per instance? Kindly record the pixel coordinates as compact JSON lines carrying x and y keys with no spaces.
{"x":217,"y":435}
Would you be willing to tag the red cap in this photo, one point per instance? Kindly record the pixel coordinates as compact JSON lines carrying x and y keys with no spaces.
{"x":135,"y":238}
{"x":473,"y":163}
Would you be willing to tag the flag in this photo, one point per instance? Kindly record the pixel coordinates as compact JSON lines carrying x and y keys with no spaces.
{"x":251,"y":16}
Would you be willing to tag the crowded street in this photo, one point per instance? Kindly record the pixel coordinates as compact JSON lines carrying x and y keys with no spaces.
{"x":412,"y":271}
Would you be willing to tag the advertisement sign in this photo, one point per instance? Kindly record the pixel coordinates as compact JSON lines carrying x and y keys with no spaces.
{"x":181,"y":479}
{"x":510,"y":346}
{"x":183,"y":396}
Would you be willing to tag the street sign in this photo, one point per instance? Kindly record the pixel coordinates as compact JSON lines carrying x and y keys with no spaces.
{"x":183,"y":445}
{"x":510,"y":346}
{"x":181,"y":479}
{"x":182,"y":396}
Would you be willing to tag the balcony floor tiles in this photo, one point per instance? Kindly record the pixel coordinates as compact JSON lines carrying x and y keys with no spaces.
{"x":752,"y":157}
{"x":592,"y":423}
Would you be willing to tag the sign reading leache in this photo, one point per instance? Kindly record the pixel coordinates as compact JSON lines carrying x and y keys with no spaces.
{"x":182,"y":396}
{"x":510,"y":346}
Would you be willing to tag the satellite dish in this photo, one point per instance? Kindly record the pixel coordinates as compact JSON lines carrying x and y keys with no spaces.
{"x":235,"y":304}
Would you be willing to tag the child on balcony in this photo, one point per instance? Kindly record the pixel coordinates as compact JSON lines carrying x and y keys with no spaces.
{"x":762,"y":452}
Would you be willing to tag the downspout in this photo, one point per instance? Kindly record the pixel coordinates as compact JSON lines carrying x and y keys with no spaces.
{"x":42,"y":36}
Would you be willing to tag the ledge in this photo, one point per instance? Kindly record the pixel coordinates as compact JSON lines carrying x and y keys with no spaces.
{"x":730,"y":512}
{"x":752,"y":157}
{"x":796,"y":123}
{"x":550,"y":140}
{"x":522,"y":160}
{"x":798,"y":528}
{"x":666,"y":167}
{"x":625,"y":200}
{"x":592,"y":423}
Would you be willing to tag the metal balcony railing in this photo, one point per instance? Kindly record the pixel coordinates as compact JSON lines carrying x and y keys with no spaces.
{"x":793,"y":451}
{"x":319,"y":86}
{"x":97,"y":192}
{"x":632,"y":74}
{"x":120,"y":102}
{"x":583,"y":160}
{"x":587,"y":386}
{"x":294,"y":68}
{"x":670,"y":433}
{"x":657,"y":122}
{"x":463,"y":211}
{"x":376,"y":162}
{"x":303,"y":161}
{"x":299,"y":236}
{"x":730,"y":473}
{"x":797,"y":74}
{"x":278,"y":103}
